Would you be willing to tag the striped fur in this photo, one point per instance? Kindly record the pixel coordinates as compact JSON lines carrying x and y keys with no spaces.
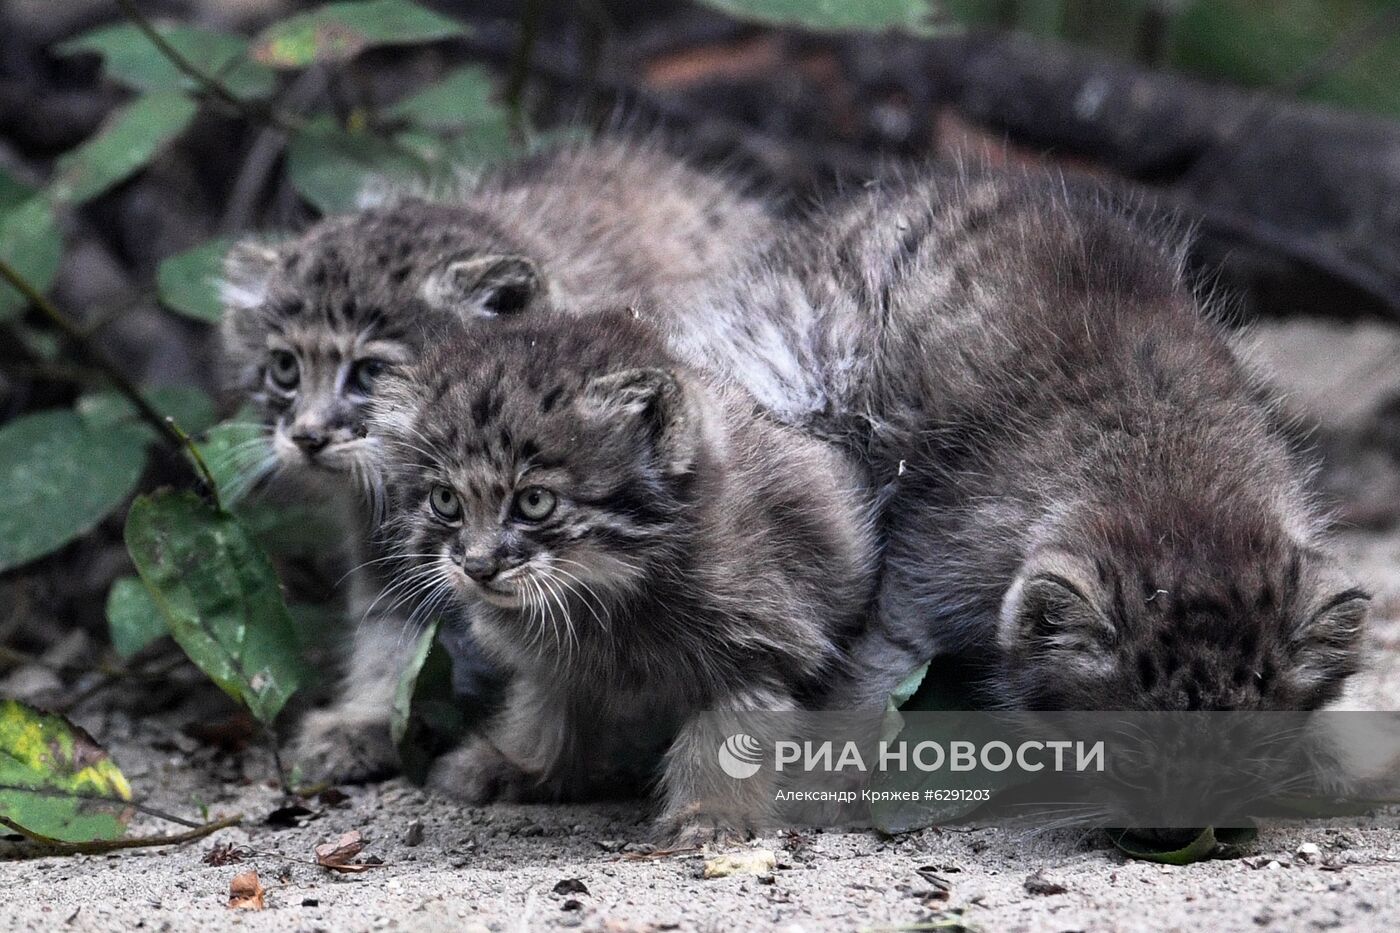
{"x":1080,"y":484}
{"x":612,"y":221}
{"x":699,"y":556}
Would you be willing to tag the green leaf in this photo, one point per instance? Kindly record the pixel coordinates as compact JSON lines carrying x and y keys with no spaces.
{"x":1270,"y":42}
{"x":907,"y":687}
{"x":217,"y":591}
{"x":340,"y":31}
{"x":915,"y":16}
{"x":128,"y":139}
{"x":463,"y":99}
{"x":133,"y":619}
{"x":133,"y":59}
{"x":30,"y":243}
{"x":55,"y":780}
{"x":945,"y":685}
{"x":427,"y":717}
{"x":333,"y":168}
{"x":189,"y":282}
{"x":13,"y":192}
{"x":1194,"y":846}
{"x":58,"y":479}
{"x":191,"y":409}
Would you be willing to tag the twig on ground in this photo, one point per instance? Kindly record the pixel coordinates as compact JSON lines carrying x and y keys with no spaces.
{"x":101,"y":846}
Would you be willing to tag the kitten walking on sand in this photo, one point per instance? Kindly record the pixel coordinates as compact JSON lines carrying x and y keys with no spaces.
{"x":313,"y":324}
{"x":636,"y":546}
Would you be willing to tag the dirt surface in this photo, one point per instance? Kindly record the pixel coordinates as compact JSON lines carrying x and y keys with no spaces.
{"x":506,"y":868}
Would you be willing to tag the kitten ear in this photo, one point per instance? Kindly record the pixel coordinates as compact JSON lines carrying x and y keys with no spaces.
{"x":1045,"y":613}
{"x":1326,"y":648}
{"x":656,"y":398}
{"x":484,"y":286}
{"x":248,"y":270}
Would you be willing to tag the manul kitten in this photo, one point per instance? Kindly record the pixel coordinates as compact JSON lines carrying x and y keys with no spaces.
{"x":1083,"y":488}
{"x":633,"y":542}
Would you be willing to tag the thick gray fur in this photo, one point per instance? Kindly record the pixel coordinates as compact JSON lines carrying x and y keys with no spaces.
{"x":700,"y":557}
{"x":1081,"y":486}
{"x":612,"y":221}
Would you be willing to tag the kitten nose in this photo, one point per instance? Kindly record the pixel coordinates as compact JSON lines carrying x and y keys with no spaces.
{"x":481,"y":569}
{"x":311,"y":442}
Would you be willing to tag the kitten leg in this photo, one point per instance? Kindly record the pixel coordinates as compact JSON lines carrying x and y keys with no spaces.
{"x":349,"y":741}
{"x":703,"y":804}
{"x":520,"y":759}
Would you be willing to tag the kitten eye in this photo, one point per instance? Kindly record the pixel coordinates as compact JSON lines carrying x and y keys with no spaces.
{"x":445,"y":504}
{"x":534,"y":503}
{"x":284,"y":370}
{"x":364,"y":374}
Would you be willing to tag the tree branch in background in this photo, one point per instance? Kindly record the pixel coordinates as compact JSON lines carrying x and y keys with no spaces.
{"x":1315,"y":190}
{"x":520,"y":65}
{"x":210,"y":84}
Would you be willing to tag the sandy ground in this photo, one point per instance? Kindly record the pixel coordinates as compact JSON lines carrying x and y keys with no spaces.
{"x":506,"y":868}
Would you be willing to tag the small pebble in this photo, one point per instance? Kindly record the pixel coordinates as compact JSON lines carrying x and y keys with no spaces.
{"x":1309,"y":852}
{"x":414,"y":835}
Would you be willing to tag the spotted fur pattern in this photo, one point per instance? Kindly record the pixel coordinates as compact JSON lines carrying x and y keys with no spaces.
{"x":313,"y":323}
{"x":696,"y":556}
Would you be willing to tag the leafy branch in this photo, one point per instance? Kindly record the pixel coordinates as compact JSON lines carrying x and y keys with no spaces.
{"x":176,"y":438}
{"x":210,"y":84}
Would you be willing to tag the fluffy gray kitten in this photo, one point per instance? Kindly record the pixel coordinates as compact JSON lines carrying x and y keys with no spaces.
{"x":636,"y":544}
{"x":1082,"y":489}
{"x":313,"y":324}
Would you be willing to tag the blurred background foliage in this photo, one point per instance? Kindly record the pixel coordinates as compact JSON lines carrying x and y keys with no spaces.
{"x":1288,"y":45}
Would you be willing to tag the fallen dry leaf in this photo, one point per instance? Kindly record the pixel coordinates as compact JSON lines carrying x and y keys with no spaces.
{"x":333,"y":796}
{"x":571,"y":886}
{"x":230,"y":735}
{"x":337,"y":855}
{"x":748,"y":862}
{"x":245,"y":892}
{"x":224,"y":854}
{"x":1039,"y":884}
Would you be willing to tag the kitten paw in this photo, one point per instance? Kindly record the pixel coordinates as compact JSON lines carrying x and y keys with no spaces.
{"x":694,"y":827}
{"x":333,"y":747}
{"x":477,"y":773}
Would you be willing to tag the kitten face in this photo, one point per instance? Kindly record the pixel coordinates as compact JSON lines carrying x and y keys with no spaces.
{"x":312,"y":326}
{"x":550,"y":479}
{"x":1136,"y":630}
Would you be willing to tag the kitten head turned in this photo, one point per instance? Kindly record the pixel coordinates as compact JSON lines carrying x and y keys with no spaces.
{"x":1216,"y":612}
{"x":541,"y":464}
{"x":311,"y":326}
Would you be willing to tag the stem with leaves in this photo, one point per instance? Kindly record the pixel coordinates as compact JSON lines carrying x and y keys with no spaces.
{"x":207,"y":82}
{"x":177,"y":439}
{"x":90,"y":353}
{"x":200,"y":465}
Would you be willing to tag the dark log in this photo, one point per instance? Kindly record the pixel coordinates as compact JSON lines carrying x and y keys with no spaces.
{"x":1301,"y":198}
